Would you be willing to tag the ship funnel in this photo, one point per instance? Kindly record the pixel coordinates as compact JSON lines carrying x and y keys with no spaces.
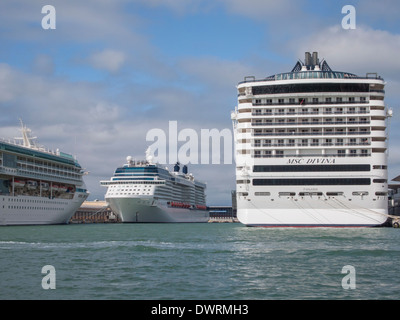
{"x":315,"y":58}
{"x":185,"y":169}
{"x":311,"y":62}
{"x":307,"y":60}
{"x":176,"y":167}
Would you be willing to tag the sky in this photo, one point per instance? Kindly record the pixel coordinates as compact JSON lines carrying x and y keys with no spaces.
{"x":113,"y":70}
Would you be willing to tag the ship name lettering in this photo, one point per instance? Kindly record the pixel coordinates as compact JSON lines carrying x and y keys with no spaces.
{"x":295,"y":161}
{"x":311,"y":161}
{"x":320,"y":161}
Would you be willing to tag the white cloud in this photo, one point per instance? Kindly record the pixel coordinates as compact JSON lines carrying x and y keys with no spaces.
{"x":110,"y":60}
{"x":261,"y":9}
{"x":43,"y":64}
{"x":359,"y":51}
{"x":216,"y":72}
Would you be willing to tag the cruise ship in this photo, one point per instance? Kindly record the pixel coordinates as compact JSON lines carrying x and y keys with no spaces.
{"x":141,"y":191}
{"x":311,"y":148}
{"x":38,"y":186}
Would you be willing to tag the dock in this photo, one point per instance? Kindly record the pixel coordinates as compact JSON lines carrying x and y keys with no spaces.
{"x":94,"y":212}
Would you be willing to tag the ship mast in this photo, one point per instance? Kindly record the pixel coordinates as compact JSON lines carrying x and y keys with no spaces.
{"x":26,"y":137}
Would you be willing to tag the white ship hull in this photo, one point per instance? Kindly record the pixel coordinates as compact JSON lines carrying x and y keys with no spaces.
{"x":311,"y":213}
{"x":30,"y":210}
{"x":142,"y":210}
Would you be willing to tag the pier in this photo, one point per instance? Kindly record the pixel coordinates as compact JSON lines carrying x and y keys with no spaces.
{"x":94,"y":212}
{"x":222,"y":214}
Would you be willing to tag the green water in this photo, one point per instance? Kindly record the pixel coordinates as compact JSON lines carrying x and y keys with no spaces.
{"x":197,"y":261}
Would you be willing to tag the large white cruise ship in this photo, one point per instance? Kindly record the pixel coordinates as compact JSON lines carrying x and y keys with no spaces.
{"x":311,"y":148}
{"x":38,"y":186}
{"x":141,"y":191}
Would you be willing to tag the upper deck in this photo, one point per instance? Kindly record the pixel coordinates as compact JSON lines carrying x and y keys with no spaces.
{"x":309,"y":71}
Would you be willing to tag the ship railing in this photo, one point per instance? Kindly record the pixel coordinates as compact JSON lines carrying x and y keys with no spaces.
{"x":267,"y":145}
{"x":297,"y":104}
{"x":308,"y":123}
{"x":305,"y":113}
{"x":36,"y":147}
{"x":311,"y":133}
{"x":311,"y":155}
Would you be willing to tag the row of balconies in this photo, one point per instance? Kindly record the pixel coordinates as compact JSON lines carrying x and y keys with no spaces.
{"x":313,"y":155}
{"x":248,"y":115}
{"x":315,"y":123}
{"x":313,"y":133}
{"x":374,"y":144}
{"x":268,"y":112}
{"x":282,"y":122}
{"x":311,"y":144}
{"x":307,"y":101}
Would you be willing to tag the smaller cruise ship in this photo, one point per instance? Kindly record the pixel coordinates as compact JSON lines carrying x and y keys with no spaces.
{"x":141,"y":191}
{"x":38,"y":186}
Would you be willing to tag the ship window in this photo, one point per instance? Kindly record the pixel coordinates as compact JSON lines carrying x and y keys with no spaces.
{"x":262,"y":193}
{"x":9,"y":160}
{"x":302,"y":194}
{"x":333,"y":194}
{"x":315,"y":168}
{"x":379,"y":167}
{"x":360,"y":193}
{"x":309,"y":182}
{"x":287,"y":194}
{"x":364,"y":153}
{"x":379,"y":180}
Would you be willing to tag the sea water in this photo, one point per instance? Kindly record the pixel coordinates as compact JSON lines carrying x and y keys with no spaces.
{"x":208,"y":261}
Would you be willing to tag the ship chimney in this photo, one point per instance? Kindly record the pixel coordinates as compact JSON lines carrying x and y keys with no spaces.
{"x":315,"y":59}
{"x":307,"y":60}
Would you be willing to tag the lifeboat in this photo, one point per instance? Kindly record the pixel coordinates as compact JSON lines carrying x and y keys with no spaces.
{"x":54,"y":187}
{"x":201,"y":207}
{"x":18,"y":183}
{"x":62,"y":188}
{"x":179,"y":205}
{"x":44,"y":186}
{"x":32,"y":184}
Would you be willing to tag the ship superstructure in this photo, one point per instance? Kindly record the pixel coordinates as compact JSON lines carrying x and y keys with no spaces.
{"x":141,"y":191}
{"x":38,"y":186}
{"x":311,"y":148}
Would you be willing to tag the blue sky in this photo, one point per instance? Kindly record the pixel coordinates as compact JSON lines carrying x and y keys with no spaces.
{"x":113,"y":70}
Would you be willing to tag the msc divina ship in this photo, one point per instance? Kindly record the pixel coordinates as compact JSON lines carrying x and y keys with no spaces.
{"x":311,"y":148}
{"x":38,"y":186}
{"x":141,"y":191}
